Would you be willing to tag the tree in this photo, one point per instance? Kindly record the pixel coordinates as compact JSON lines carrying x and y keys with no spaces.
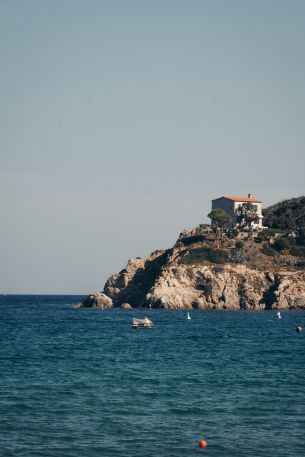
{"x":246,"y":214}
{"x":220,"y":218}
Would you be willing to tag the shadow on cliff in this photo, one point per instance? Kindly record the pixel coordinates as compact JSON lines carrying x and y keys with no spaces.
{"x":142,"y":281}
{"x":269,"y":296}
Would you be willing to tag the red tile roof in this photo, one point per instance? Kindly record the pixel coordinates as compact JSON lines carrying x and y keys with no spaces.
{"x":242,"y":199}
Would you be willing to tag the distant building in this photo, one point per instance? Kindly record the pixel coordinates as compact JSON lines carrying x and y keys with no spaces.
{"x":230,"y":205}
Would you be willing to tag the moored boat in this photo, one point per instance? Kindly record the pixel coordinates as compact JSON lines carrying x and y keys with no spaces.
{"x":141,"y":323}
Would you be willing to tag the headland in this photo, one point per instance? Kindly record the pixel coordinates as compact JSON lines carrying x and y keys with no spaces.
{"x":211,"y":267}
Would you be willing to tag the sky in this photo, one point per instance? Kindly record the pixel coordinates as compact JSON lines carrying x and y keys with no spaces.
{"x":121,"y":120}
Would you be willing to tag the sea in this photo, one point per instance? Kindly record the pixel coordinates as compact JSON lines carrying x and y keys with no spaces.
{"x":83,"y":383}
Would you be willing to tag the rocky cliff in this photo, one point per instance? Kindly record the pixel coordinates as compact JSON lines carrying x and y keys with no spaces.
{"x":203,"y":272}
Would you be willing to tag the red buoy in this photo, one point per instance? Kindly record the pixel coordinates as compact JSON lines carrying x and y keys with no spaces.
{"x":202,"y":443}
{"x":299,"y":329}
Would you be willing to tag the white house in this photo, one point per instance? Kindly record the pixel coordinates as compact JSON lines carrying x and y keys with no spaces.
{"x":230,"y":205}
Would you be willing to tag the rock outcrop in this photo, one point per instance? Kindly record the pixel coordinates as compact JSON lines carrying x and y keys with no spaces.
{"x":125,"y":306}
{"x":132,"y":284}
{"x":97,"y":300}
{"x":201,"y":274}
{"x":228,"y":287}
{"x":208,"y":287}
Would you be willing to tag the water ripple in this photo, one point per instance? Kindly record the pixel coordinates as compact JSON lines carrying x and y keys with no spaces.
{"x":78,"y":383}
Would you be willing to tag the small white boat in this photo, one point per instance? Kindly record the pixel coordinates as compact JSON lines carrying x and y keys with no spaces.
{"x":279,"y":315}
{"x":188,"y":316}
{"x":141,"y":323}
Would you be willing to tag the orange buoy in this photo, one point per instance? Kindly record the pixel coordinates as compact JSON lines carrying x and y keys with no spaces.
{"x":202,"y":443}
{"x":299,"y":329}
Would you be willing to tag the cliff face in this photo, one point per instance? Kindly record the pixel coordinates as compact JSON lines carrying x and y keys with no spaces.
{"x":132,"y":284}
{"x":205,"y":287}
{"x":204,"y":273}
{"x":208,"y":287}
{"x":228,"y":287}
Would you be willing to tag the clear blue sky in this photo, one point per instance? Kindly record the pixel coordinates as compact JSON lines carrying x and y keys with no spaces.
{"x":121,"y":120}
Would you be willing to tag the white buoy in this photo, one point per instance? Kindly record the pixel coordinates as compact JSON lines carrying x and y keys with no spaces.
{"x":188,"y":316}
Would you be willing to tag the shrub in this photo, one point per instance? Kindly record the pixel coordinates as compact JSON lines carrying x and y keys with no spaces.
{"x":300,"y":241}
{"x":268,"y":233}
{"x":232,"y":233}
{"x":192,"y":239}
{"x":237,"y":256}
{"x":261,"y":236}
{"x":268,"y":250}
{"x":281,"y":243}
{"x":197,"y":256}
{"x":239,"y":244}
{"x":218,"y":256}
{"x":298,"y":251}
{"x":290,"y":262}
{"x":302,"y":232}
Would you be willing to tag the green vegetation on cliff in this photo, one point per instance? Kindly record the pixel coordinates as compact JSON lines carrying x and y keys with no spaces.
{"x":286,"y":215}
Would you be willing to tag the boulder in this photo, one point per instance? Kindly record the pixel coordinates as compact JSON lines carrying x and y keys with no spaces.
{"x":97,"y":300}
{"x":126,"y":306}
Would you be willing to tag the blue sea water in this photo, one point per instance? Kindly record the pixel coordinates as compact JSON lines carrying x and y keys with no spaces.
{"x":82,"y":383}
